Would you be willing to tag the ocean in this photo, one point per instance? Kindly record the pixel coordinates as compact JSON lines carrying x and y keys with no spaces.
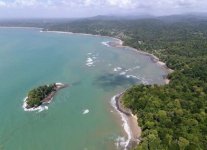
{"x":81,"y":116}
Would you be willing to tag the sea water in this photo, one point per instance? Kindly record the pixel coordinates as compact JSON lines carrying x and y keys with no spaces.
{"x":79,"y":117}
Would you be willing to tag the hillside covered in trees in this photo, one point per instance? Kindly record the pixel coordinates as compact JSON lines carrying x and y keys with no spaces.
{"x":172,"y":116}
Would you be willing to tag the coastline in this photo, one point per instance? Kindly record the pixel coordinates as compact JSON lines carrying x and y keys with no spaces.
{"x":119,"y":44}
{"x":86,"y":34}
{"x":133,"y":130}
{"x":130,"y":123}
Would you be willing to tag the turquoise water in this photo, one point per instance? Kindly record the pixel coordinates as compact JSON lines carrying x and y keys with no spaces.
{"x":29,"y":58}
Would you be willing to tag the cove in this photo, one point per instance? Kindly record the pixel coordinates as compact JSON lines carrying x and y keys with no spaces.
{"x":80,"y":117}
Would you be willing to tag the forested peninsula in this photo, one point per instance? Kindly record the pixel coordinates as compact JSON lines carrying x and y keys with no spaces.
{"x":172,"y":116}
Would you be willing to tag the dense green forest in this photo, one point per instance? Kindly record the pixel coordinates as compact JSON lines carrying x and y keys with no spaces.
{"x":172,"y":116}
{"x":35,"y":96}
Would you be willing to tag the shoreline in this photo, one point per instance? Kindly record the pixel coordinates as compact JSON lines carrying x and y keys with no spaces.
{"x":133,"y":130}
{"x":118,"y":43}
{"x":129,"y":121}
{"x":45,"y":101}
{"x":86,"y":34}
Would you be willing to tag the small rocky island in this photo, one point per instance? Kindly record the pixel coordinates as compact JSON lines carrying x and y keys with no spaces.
{"x":41,"y":95}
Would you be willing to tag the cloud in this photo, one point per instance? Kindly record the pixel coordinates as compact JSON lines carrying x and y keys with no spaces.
{"x":25,"y":2}
{"x":107,"y":3}
{"x":88,"y":2}
{"x":68,"y":8}
{"x":122,"y":3}
{"x":2,"y":4}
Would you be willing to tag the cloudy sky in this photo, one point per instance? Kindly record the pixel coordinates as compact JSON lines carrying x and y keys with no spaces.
{"x":85,"y":8}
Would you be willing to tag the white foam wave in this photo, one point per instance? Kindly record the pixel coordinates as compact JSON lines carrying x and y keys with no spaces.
{"x":91,"y":59}
{"x":124,"y":143}
{"x":132,"y":76}
{"x":59,"y":83}
{"x":85,"y":111}
{"x":122,"y":73}
{"x":39,"y":108}
{"x":143,"y":80}
{"x":42,"y":108}
{"x":106,"y":43}
{"x":89,"y":62}
{"x":120,"y":142}
{"x":117,"y":69}
{"x":131,"y":69}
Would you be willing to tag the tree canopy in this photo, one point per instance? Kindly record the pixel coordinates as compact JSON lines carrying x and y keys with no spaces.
{"x":35,"y":96}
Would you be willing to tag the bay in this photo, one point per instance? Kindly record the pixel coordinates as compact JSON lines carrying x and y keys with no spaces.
{"x":30,"y":58}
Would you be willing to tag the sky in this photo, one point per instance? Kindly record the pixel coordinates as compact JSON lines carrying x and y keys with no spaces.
{"x":87,"y":8}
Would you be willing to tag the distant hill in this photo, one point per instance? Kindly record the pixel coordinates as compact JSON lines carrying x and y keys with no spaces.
{"x":123,"y":17}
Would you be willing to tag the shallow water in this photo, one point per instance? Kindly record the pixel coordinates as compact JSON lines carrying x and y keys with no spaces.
{"x":79,"y":117}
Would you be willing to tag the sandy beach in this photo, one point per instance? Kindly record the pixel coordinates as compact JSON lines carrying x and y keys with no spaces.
{"x":130,"y":123}
{"x":135,"y":130}
{"x":134,"y":133}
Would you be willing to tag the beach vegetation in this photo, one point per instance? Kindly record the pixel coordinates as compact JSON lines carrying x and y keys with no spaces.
{"x":35,"y":96}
